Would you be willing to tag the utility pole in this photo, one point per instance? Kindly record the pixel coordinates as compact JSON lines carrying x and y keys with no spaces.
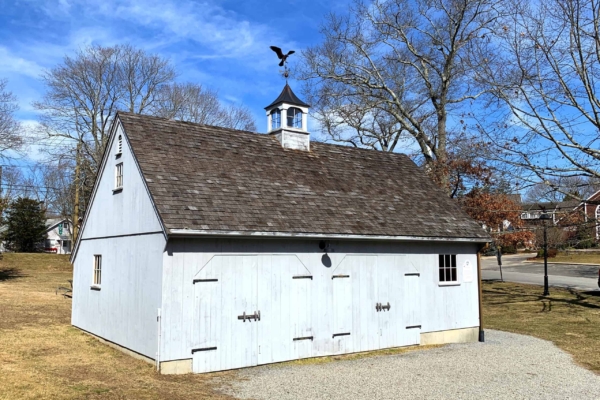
{"x":76,"y":206}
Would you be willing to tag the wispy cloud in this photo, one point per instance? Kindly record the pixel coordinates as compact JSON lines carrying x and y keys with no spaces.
{"x":11,"y":63}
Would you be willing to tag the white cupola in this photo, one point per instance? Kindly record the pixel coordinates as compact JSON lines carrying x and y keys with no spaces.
{"x":287,"y":119}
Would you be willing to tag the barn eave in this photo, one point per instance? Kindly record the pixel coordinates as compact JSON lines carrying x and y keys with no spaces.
{"x":179,"y":233}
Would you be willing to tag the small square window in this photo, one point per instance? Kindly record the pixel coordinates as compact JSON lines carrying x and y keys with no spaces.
{"x":97,"y":270}
{"x":447,"y":268}
{"x":119,"y":176}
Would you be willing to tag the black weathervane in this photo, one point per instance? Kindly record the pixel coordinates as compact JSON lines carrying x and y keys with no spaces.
{"x":283,"y":58}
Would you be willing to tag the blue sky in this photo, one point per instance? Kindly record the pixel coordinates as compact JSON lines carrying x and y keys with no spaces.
{"x":223,"y":43}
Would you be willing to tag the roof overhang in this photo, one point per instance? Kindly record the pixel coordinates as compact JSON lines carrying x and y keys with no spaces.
{"x":180,"y":233}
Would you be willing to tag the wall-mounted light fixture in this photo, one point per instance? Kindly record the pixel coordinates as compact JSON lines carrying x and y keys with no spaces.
{"x":325,"y":246}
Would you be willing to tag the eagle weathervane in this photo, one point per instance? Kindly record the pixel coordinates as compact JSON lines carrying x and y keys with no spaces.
{"x":283,"y":58}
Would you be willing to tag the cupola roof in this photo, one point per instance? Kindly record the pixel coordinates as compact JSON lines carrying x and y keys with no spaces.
{"x":287,"y":96}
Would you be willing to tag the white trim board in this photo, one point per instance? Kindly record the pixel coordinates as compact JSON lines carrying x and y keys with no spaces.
{"x":252,"y":234}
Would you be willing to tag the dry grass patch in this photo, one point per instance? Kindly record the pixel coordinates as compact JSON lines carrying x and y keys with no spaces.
{"x":568,"y":318}
{"x":576,"y":258}
{"x":355,"y":356}
{"x":43,"y":356}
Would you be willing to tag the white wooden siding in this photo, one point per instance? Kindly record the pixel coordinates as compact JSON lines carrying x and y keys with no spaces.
{"x":122,"y":212}
{"x":297,"y":308}
{"x":125,"y":230}
{"x":124,"y":310}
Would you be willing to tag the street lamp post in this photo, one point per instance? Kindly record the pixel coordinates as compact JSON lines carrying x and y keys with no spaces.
{"x":545,"y":217}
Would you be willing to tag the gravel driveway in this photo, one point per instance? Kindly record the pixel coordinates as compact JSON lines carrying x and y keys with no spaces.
{"x":506,"y":366}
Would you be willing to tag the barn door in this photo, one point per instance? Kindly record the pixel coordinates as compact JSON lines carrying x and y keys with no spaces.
{"x":390,"y":302}
{"x":342,"y":280}
{"x":225,"y":325}
{"x":356,"y":324}
{"x":412,"y":309}
{"x":284,"y":298}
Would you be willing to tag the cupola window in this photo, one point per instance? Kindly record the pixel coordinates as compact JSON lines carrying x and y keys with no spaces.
{"x":275,"y":119}
{"x":294,"y":117}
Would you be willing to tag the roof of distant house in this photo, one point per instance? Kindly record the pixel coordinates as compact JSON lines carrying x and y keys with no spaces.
{"x":211,"y":179}
{"x":551,"y":206}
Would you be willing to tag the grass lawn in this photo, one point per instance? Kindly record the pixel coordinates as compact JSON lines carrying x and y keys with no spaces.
{"x":568,"y":318}
{"x":576,"y":258}
{"x":43,"y":356}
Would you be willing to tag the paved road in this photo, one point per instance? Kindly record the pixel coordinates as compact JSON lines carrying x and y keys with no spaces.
{"x":506,"y":366}
{"x":516,"y":269}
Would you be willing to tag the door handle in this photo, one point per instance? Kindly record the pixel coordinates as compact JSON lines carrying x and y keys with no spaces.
{"x":255,"y":316}
{"x":379,"y":307}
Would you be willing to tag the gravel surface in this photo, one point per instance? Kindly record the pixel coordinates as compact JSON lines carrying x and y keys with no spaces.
{"x":506,"y":366}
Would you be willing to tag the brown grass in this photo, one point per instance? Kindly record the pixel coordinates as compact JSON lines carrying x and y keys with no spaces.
{"x":355,"y":356}
{"x":576,"y":258}
{"x":43,"y":356}
{"x":568,"y":318}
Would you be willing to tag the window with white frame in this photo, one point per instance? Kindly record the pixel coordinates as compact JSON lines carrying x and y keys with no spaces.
{"x":119,"y":144}
{"x":119,"y":176}
{"x":97,"y":270}
{"x":447,"y":268}
{"x":275,"y":119}
{"x":294,"y":117}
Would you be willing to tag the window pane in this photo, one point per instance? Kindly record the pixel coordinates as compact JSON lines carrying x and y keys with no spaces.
{"x":454,"y":278}
{"x":275,"y":119}
{"x":441,"y":261}
{"x":442,"y":277}
{"x":453,"y":261}
{"x":447,"y":260}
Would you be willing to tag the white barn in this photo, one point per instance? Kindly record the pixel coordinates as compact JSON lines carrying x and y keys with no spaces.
{"x":207,"y":249}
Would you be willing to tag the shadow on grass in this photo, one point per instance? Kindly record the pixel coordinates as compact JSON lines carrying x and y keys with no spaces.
{"x":595,"y":293}
{"x":520,"y":296}
{"x":10,"y":273}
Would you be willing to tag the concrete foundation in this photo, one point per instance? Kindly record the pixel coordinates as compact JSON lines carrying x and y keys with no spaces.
{"x":464,"y":335}
{"x":177,"y":367}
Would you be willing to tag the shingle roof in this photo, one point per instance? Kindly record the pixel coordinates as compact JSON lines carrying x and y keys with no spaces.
{"x":216,"y":179}
{"x":287,"y":96}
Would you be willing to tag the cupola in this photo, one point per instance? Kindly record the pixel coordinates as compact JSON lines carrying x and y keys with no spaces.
{"x":287,"y":119}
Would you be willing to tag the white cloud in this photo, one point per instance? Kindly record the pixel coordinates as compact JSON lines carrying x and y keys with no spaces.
{"x":10,"y":63}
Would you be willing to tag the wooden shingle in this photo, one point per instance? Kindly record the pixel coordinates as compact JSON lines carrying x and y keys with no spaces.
{"x":217,"y":179}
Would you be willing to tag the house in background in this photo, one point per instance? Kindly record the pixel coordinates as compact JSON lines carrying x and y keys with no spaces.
{"x":58,"y":236}
{"x":206,"y":249}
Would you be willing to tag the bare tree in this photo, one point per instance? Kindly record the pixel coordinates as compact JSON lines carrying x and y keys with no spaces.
{"x":85,"y":92}
{"x":194,"y":103}
{"x":543,"y":69}
{"x":396,"y":72}
{"x":10,"y":129}
{"x":563,"y":188}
